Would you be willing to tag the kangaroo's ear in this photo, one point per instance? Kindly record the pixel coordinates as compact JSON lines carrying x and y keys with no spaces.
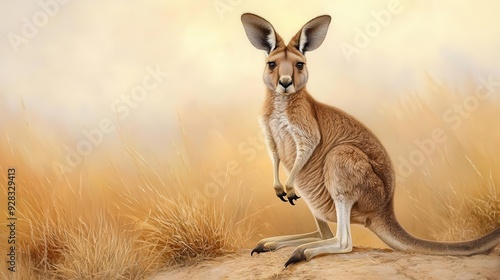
{"x":312,"y":35}
{"x":260,"y":32}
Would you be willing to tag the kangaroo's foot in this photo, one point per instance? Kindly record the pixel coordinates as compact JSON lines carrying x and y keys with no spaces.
{"x":307,"y":251}
{"x":275,"y":243}
{"x":341,"y":243}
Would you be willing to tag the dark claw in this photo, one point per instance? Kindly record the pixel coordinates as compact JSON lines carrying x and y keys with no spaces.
{"x":282,"y":196}
{"x":295,"y":258}
{"x":291,"y":199}
{"x":260,"y":248}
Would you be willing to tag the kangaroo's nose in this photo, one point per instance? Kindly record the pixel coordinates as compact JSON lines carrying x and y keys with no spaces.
{"x":285,"y":81}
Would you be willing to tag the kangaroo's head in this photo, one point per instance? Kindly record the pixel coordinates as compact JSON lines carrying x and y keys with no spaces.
{"x":286,"y":69}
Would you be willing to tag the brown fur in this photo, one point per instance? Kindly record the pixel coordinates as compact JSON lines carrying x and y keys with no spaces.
{"x":334,"y":161}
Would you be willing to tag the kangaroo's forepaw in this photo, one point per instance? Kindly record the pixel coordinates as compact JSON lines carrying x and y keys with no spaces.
{"x":292,"y":198}
{"x":281,"y":194}
{"x":280,"y":191}
{"x":297,"y":256}
{"x":291,"y":195}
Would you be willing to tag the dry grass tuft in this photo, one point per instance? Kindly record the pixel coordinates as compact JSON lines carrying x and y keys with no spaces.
{"x":187,"y":229}
{"x":476,"y":216}
{"x":100,"y":249}
{"x":112,"y":224}
{"x":73,"y":240}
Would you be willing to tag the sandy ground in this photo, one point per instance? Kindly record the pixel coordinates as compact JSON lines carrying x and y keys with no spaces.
{"x":362,"y":263}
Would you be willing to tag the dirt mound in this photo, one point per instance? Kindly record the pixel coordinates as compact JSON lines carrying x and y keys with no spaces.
{"x":362,"y":263}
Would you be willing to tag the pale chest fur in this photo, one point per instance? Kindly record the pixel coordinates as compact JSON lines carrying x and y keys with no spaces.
{"x":278,"y":121}
{"x":284,"y":132}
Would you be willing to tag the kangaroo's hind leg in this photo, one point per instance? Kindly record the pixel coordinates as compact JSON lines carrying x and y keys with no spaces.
{"x":275,"y":243}
{"x":351,"y":181}
{"x":341,"y":243}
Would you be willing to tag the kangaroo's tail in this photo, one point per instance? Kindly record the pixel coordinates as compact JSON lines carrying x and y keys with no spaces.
{"x":388,"y":229}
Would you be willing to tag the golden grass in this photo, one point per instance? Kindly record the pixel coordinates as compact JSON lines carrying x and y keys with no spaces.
{"x":115,"y":224}
{"x":129,"y":214}
{"x":477,"y":216}
{"x":73,"y":240}
{"x":187,"y":229}
{"x":454,"y":194}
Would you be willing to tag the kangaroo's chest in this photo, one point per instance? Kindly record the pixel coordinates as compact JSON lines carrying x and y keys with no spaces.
{"x":283,"y":131}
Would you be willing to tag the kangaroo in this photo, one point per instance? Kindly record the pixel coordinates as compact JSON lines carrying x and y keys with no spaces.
{"x":337,"y":165}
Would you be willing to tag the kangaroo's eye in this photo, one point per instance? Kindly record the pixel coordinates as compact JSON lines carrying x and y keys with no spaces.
{"x":300,"y":65}
{"x":271,"y":65}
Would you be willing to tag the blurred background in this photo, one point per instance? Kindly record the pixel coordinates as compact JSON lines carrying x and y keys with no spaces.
{"x":83,"y":82}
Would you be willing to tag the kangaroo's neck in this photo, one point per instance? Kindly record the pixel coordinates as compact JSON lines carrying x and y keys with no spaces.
{"x":279,"y":103}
